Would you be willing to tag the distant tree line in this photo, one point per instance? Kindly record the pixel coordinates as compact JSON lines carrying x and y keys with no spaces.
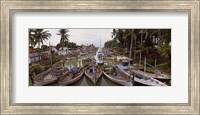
{"x":154,"y":44}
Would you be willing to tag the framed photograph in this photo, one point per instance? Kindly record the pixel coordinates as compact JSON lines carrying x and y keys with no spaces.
{"x":99,"y":57}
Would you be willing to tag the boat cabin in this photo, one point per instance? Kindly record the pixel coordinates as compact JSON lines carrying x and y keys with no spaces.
{"x":74,"y":70}
{"x":100,"y":56}
{"x":124,"y":62}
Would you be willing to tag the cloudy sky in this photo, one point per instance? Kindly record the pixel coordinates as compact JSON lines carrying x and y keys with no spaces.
{"x":82,"y":36}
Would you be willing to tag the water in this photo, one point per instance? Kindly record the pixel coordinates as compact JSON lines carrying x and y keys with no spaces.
{"x":84,"y":81}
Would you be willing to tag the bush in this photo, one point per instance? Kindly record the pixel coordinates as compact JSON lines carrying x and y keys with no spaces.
{"x":45,"y":62}
{"x":44,"y":47}
{"x":44,"y":57}
{"x":56,"y":60}
{"x":38,"y":69}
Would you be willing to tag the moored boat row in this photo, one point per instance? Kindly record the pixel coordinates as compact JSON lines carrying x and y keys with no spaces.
{"x":93,"y":67}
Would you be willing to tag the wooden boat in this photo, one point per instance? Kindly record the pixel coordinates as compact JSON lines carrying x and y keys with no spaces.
{"x":141,"y":78}
{"x":93,"y":72}
{"x":71,"y":77}
{"x":45,"y":78}
{"x":117,"y":76}
{"x":87,"y":62}
{"x":158,"y":75}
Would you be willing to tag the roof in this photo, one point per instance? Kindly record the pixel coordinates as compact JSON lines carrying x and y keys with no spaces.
{"x":33,"y":50}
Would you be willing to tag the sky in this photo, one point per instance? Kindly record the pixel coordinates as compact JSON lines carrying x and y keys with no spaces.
{"x":82,"y":36}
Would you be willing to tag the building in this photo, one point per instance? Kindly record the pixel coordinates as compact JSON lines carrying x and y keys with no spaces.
{"x":34,"y":55}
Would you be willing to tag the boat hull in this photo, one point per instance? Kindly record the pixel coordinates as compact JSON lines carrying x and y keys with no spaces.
{"x":94,"y":81}
{"x":64,"y":83}
{"x":148,"y":82}
{"x":42,"y":83}
{"x":120,"y":82}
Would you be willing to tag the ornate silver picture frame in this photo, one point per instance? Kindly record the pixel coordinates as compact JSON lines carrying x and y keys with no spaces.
{"x":8,"y":7}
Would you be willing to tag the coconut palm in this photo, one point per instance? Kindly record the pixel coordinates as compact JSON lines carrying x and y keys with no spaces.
{"x":154,"y":44}
{"x":40,"y":36}
{"x":64,"y":35}
{"x":31,"y":38}
{"x":118,"y":35}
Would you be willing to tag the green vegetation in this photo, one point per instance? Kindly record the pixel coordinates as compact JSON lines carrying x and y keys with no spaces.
{"x":47,"y":67}
{"x":56,"y":58}
{"x":71,"y":45}
{"x":64,"y":35}
{"x":38,"y":36}
{"x":44,"y":47}
{"x":45,"y":57}
{"x":38,"y":69}
{"x":65,"y":39}
{"x":164,"y":67}
{"x":30,"y":82}
{"x":154,"y":44}
{"x":74,"y":63}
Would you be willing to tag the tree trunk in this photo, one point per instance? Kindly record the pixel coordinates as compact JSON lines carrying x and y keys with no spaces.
{"x":140,"y":49}
{"x":39,"y":51}
{"x":145,"y":61}
{"x":135,"y":38}
{"x":130,"y":53}
{"x":140,"y":59}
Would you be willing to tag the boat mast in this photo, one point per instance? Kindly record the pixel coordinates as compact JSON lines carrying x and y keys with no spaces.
{"x":100,"y":41}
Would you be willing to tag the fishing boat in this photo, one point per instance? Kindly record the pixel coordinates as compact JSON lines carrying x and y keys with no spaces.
{"x":157,"y":75}
{"x":44,"y":78}
{"x":93,"y":72}
{"x":87,"y":61}
{"x":71,"y":76}
{"x":117,"y":76}
{"x":139,"y":77}
{"x":99,"y":57}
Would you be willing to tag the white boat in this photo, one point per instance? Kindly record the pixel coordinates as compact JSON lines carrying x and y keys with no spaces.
{"x":159,"y":75}
{"x":99,"y":57}
{"x":116,"y":78}
{"x":139,"y":78}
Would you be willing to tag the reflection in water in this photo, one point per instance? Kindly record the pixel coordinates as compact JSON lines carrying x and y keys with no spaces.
{"x":84,"y":81}
{"x":103,"y":81}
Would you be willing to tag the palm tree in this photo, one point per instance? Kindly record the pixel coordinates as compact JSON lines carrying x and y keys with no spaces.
{"x":40,"y":36}
{"x":64,"y":35}
{"x":118,"y":35}
{"x":31,"y":38}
